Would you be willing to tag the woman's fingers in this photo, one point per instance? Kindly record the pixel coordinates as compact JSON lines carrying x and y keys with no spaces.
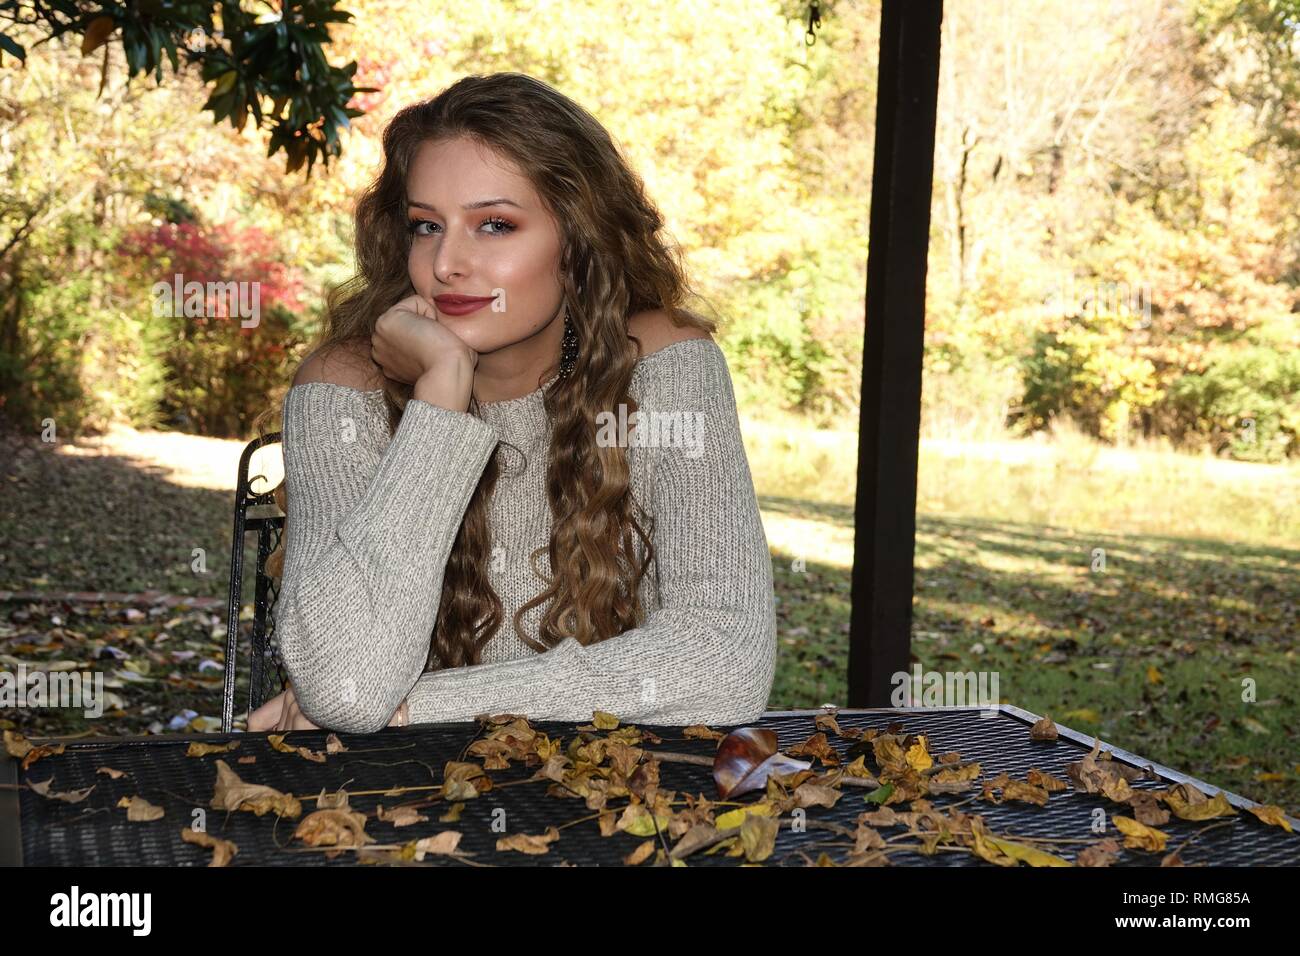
{"x":287,"y":711}
{"x":265,"y":717}
{"x":272,"y":713}
{"x":279,"y":714}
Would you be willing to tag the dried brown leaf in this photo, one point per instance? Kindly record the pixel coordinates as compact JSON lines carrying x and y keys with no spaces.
{"x":640,"y":854}
{"x":1102,"y":853}
{"x":1046,"y":781}
{"x":532,"y":844}
{"x":401,"y":816}
{"x":140,"y":810}
{"x":70,"y":796}
{"x":1044,"y":729}
{"x":199,"y":749}
{"x":277,"y":743}
{"x":333,"y":828}
{"x":444,"y":843}
{"x":231,"y":793}
{"x":701,"y":732}
{"x":222,"y":850}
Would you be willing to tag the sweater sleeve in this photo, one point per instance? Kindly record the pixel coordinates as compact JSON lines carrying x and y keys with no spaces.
{"x":367,"y":540}
{"x":707,"y":655}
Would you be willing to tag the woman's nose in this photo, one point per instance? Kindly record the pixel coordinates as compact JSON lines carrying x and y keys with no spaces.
{"x":450,"y":258}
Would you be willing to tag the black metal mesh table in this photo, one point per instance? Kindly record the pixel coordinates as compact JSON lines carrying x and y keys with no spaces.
{"x":35,"y":830}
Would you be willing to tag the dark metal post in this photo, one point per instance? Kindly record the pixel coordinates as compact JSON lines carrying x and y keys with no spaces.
{"x":889,"y":427}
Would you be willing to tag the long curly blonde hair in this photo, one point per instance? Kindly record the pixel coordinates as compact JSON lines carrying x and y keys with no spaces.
{"x":614,"y":265}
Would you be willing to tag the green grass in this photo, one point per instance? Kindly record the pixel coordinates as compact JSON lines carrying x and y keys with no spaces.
{"x":1199,"y":590}
{"x":1196,"y":604}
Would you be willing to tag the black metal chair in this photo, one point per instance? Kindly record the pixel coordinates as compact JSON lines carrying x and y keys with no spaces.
{"x":259,"y":512}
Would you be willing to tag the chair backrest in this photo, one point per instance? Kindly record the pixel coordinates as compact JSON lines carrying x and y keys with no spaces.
{"x":256,"y":510}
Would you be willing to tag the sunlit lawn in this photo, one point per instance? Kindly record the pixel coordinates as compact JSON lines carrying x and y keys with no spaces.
{"x":1140,"y":595}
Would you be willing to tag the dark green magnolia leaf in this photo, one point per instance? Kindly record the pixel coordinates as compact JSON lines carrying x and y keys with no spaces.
{"x":12,"y":47}
{"x":225,"y":83}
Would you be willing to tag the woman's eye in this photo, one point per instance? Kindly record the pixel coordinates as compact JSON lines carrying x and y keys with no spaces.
{"x":504,"y":226}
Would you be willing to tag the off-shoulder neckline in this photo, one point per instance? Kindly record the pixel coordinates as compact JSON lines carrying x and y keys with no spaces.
{"x":533,"y":394}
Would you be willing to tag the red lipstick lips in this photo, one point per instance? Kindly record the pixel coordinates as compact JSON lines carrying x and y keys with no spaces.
{"x":461,"y":304}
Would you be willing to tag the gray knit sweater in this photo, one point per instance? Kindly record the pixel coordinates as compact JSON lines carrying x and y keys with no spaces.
{"x":371,"y":522}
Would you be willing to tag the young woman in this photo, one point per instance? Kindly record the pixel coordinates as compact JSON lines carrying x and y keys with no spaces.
{"x":515,"y":475}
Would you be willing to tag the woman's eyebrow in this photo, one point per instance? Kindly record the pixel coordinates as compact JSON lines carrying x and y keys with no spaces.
{"x":478,"y":204}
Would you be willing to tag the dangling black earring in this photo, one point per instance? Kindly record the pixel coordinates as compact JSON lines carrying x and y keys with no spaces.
{"x":568,"y":347}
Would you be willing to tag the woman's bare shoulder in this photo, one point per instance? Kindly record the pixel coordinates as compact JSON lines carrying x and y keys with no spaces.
{"x":343,"y":363}
{"x":656,"y":330}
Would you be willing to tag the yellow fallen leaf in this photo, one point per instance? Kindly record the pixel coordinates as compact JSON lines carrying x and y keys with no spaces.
{"x":1018,"y":851}
{"x":1153,"y":675}
{"x":985,"y":849}
{"x":1139,"y":836}
{"x":1272,"y":815}
{"x":736,"y":817}
{"x":604,"y":721}
{"x":1189,"y":803}
{"x":637,"y":821}
{"x":1117,"y":789}
{"x":758,"y":837}
{"x":918,"y":755}
{"x":858,"y":769}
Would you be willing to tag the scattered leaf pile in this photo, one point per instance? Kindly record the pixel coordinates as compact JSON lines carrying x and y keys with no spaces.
{"x":611,"y":771}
